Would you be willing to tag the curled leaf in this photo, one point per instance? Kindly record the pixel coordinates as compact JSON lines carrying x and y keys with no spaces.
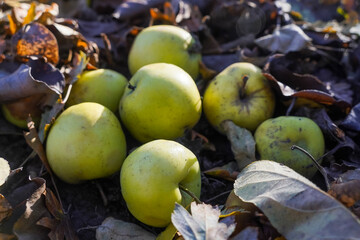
{"x":296,"y":207}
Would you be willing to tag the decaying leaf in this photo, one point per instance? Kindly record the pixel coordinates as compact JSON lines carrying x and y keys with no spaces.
{"x":285,"y":39}
{"x":4,"y":170}
{"x":202,"y":224}
{"x":33,"y":140}
{"x":228,"y":172}
{"x":59,"y":224}
{"x":347,"y":193}
{"x":5,"y":208}
{"x":113,"y":229}
{"x":25,"y":227}
{"x":296,"y":207}
{"x":35,"y":39}
{"x":242,"y":143}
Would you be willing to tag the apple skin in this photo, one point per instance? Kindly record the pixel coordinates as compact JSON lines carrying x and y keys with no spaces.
{"x":274,"y":138}
{"x":17,"y":112}
{"x":86,"y":142}
{"x":164,"y":43}
{"x":150,"y":179}
{"x":102,"y":86}
{"x":226,"y":98}
{"x":161,"y":102}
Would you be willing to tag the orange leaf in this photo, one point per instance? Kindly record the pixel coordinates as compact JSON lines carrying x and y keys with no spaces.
{"x":30,"y":14}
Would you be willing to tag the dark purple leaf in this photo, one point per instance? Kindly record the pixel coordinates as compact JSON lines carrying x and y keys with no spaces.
{"x":352,"y":121}
{"x":132,"y":8}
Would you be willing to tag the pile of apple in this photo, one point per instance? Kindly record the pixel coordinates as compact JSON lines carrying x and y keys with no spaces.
{"x":159,"y":103}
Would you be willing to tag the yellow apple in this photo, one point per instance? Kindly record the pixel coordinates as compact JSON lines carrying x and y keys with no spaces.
{"x":161,"y":102}
{"x":102,"y":86}
{"x":150,"y":179}
{"x":239,"y":93}
{"x":275,"y":136}
{"x":165,"y":43}
{"x":18,"y":111}
{"x":86,"y":142}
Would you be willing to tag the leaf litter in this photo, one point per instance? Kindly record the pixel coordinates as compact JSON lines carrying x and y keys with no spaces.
{"x":311,"y":65}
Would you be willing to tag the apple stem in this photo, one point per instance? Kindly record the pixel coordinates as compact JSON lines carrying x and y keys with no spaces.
{"x":191,"y":194}
{"x":318,"y":166}
{"x":245,"y":78}
{"x":131,"y":86}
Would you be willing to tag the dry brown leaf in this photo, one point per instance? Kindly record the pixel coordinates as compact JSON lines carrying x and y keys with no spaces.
{"x":25,"y":227}
{"x":59,"y":224}
{"x":347,"y":193}
{"x":5,"y":208}
{"x":33,"y":140}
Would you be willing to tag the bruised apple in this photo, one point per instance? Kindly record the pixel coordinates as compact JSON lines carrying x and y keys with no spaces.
{"x":151,"y":177}
{"x":239,"y":93}
{"x":86,"y":142}
{"x":275,"y":137}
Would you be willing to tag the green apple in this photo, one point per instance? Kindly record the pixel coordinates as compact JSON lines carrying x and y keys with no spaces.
{"x":161,"y":102}
{"x":239,"y":93}
{"x":150,"y":178}
{"x":86,"y":142}
{"x":165,"y":43}
{"x":102,"y":86}
{"x":274,"y":138}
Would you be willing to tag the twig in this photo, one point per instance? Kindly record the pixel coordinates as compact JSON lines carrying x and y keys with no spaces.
{"x":290,"y":108}
{"x":320,"y":168}
{"x":191,"y":194}
{"x":217,"y":196}
{"x":102,"y":194}
{"x":87,"y":228}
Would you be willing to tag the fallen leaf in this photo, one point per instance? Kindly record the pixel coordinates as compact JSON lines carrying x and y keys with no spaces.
{"x":33,"y":78}
{"x":35,"y":39}
{"x":4,"y":170}
{"x":202,"y":224}
{"x":248,"y":233}
{"x":25,"y":227}
{"x":242,"y":143}
{"x":352,"y":121}
{"x":347,"y":193}
{"x":228,"y":171}
{"x":4,"y":236}
{"x":285,"y":39}
{"x":113,"y":229}
{"x":133,"y":8}
{"x":59,"y":224}
{"x":296,"y":207}
{"x":5,"y":208}
{"x":33,"y":140}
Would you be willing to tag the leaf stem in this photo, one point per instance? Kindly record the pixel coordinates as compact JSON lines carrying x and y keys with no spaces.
{"x":318,"y":166}
{"x":191,"y":194}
